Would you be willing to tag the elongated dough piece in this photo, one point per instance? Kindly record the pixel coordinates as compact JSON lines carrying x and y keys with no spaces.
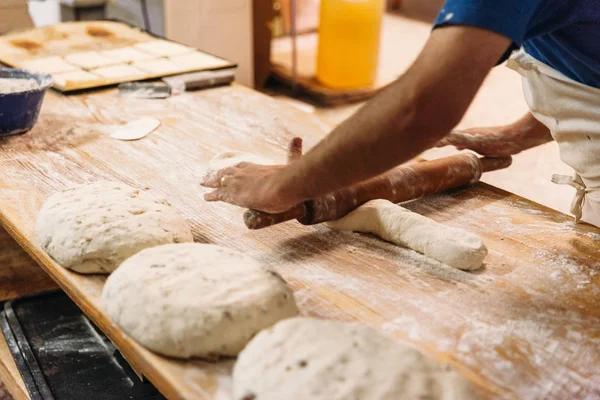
{"x":454,"y":247}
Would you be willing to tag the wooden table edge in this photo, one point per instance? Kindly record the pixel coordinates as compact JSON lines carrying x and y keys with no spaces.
{"x":160,"y":381}
{"x":9,"y":373}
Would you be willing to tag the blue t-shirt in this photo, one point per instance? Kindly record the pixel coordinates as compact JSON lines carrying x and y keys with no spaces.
{"x":564,"y":34}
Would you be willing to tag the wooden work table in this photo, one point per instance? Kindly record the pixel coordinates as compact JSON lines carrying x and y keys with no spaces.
{"x":526,"y":326}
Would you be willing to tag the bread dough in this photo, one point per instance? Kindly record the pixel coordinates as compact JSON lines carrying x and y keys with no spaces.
{"x":75,"y":78}
{"x":127,"y":54}
{"x":158,"y":67}
{"x":231,"y":159}
{"x":89,"y":59}
{"x":133,"y":130}
{"x":120,"y":72}
{"x":199,"y":60}
{"x":195,"y":300}
{"x":93,"y":228}
{"x":451,"y":246}
{"x":163,"y":48}
{"x":49,"y":65}
{"x":307,"y":358}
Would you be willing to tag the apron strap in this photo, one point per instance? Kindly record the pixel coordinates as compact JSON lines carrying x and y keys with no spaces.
{"x":582,"y":190}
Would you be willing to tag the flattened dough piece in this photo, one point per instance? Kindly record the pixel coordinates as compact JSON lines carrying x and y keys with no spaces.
{"x":195,"y":300}
{"x":49,"y":65}
{"x":307,"y":358}
{"x":158,"y":66}
{"x":199,"y":60}
{"x":127,"y":54}
{"x":89,"y":59}
{"x":93,"y":228}
{"x":120,"y":71}
{"x":134,"y":130}
{"x":454,"y":247}
{"x":75,"y":78}
{"x":163,"y":48}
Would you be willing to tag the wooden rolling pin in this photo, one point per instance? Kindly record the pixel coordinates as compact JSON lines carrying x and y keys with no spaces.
{"x":397,"y":185}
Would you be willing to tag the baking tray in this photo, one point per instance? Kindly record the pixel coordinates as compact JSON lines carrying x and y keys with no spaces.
{"x":61,"y":355}
{"x":69,"y":37}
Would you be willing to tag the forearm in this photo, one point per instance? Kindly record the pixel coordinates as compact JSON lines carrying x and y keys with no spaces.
{"x":530,"y":132}
{"x":500,"y":141}
{"x":409,"y":116}
{"x":393,"y":127}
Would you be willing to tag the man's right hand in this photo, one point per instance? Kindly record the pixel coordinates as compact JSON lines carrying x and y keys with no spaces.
{"x":500,"y":141}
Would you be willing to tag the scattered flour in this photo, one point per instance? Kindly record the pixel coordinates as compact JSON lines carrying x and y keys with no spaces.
{"x":12,"y":85}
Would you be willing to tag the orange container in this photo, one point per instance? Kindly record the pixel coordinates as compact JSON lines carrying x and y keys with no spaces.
{"x":349,"y":38}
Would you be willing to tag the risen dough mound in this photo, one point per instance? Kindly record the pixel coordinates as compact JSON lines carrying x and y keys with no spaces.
{"x":93,"y":228}
{"x":304,"y":358}
{"x":195,"y":300}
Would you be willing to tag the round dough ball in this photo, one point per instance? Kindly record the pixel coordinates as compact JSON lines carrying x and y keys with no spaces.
{"x":195,"y":300}
{"x":93,"y":228}
{"x":305,"y":358}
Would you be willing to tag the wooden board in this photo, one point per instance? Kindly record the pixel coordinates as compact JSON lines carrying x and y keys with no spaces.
{"x":71,"y":37}
{"x":309,"y":86}
{"x":526,"y":326}
{"x":306,"y":81}
{"x":306,"y":68}
{"x":401,"y":40}
{"x":19,"y":275}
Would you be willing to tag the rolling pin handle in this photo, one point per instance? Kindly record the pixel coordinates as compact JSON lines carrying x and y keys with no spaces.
{"x":257,"y":219}
{"x":495,"y":163}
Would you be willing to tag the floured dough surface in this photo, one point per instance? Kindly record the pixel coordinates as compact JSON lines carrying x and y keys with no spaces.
{"x":78,"y":77}
{"x":89,"y":59}
{"x":127,"y":54}
{"x":133,"y":130}
{"x":158,"y":66}
{"x":454,"y":247}
{"x":49,"y":65}
{"x":231,"y":159}
{"x":195,"y":300}
{"x":119,"y":71}
{"x":163,"y":48}
{"x":93,"y":228}
{"x":307,"y":358}
{"x":198,"y":60}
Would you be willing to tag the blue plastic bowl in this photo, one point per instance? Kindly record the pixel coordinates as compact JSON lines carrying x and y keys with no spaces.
{"x":19,"y":111}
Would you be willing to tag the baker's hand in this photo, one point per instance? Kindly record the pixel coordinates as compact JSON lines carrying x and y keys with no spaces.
{"x":254,"y":186}
{"x":501,"y":141}
{"x":491,"y":142}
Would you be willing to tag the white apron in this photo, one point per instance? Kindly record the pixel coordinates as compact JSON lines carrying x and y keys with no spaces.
{"x":571,"y":110}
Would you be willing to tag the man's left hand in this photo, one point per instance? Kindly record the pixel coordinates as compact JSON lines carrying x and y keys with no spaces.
{"x":253,"y":186}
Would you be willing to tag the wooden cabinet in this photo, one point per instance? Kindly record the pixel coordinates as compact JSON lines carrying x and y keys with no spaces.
{"x":220,"y":27}
{"x":14,"y":14}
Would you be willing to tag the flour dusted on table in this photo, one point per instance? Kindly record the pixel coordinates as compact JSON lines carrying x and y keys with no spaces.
{"x":195,"y":300}
{"x":93,"y":228}
{"x":307,"y":358}
{"x":454,"y":247}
